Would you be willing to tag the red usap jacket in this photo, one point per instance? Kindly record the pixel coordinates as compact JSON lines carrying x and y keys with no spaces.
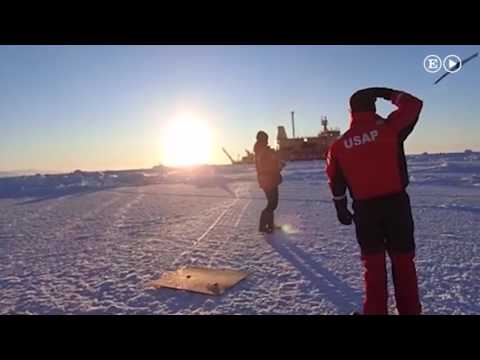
{"x":268,"y":167}
{"x":369,"y":158}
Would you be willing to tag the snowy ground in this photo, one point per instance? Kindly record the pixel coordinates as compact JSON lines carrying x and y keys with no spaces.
{"x":95,"y":252}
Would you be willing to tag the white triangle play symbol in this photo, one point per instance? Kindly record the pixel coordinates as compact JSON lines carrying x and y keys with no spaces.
{"x":452,"y":64}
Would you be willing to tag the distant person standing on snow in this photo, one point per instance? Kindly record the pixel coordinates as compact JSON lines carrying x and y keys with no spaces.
{"x":369,"y":159}
{"x":268,"y":167}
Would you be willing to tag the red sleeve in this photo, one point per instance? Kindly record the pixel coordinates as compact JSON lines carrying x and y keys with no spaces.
{"x":336,"y":179}
{"x":405,"y":117}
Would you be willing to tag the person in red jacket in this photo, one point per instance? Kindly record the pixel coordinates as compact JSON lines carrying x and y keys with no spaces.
{"x":268,"y":166}
{"x":369,"y":160}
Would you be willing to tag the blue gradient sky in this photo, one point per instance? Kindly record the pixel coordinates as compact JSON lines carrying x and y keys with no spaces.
{"x":105,"y":107}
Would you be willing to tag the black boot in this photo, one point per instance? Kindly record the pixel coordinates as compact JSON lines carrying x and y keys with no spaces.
{"x":263,"y":222}
{"x":269,"y":221}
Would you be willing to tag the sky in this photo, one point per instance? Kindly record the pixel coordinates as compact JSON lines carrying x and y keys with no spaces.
{"x":64,"y":108}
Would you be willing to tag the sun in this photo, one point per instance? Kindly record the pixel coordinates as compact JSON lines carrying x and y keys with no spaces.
{"x":187,"y":141}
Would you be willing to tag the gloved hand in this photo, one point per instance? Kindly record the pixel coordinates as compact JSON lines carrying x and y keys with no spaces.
{"x":343,"y":214}
{"x":364,"y":99}
{"x":380,"y":92}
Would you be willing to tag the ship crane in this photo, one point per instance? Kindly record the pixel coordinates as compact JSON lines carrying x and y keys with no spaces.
{"x":248,"y":159}
{"x":226,"y":153}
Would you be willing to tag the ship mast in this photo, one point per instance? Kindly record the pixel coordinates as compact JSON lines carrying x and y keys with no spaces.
{"x":324,"y":123}
{"x":293,"y":124}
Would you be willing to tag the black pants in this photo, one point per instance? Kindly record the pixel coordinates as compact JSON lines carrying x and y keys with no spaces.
{"x":266,"y":217}
{"x":385,"y":224}
{"x":272,"y":199}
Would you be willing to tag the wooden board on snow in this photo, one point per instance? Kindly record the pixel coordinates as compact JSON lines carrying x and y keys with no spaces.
{"x":201,"y":280}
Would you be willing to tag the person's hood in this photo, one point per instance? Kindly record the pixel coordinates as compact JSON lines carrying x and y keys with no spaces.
{"x":364,"y":118}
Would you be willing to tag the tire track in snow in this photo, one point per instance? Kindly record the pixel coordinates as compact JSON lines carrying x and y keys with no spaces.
{"x":201,"y":237}
{"x":223,"y":229}
{"x":229,"y":237}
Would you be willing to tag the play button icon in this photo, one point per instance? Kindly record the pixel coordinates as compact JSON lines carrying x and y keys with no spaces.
{"x":452,"y":63}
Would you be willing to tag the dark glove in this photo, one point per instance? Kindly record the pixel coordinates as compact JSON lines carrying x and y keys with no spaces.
{"x":364,"y":100}
{"x":379,"y":92}
{"x":343,"y":214}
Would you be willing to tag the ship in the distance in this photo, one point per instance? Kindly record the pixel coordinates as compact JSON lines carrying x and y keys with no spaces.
{"x":306,"y":148}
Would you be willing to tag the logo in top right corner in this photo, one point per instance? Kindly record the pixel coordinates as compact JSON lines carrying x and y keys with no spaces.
{"x":452,"y":63}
